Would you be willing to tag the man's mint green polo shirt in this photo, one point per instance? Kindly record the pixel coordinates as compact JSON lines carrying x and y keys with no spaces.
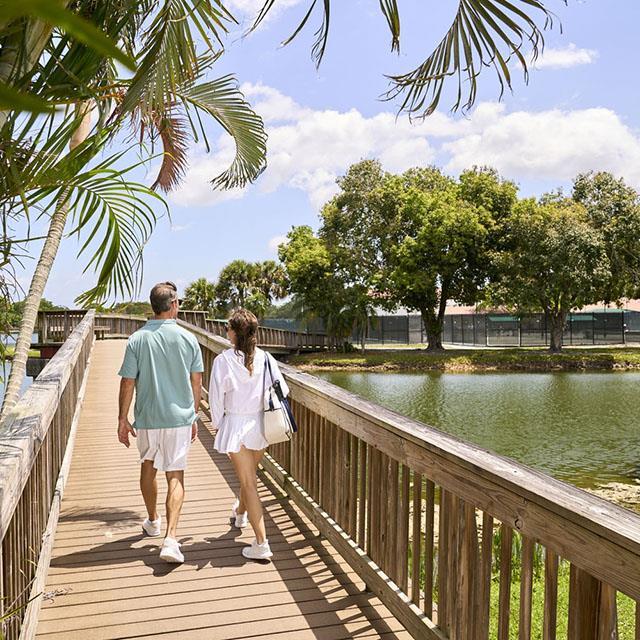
{"x":161,"y":356}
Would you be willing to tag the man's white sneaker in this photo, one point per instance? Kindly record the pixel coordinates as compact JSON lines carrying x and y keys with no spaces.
{"x":241,"y":519}
{"x":257,"y":551}
{"x":170,"y":551}
{"x":152,"y":527}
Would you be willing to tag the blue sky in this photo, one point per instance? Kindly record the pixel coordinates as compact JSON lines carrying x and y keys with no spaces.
{"x":580,"y":111}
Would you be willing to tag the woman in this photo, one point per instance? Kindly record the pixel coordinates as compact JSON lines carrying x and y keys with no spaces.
{"x":236,"y":398}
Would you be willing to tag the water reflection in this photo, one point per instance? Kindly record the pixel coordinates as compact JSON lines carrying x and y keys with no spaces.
{"x":579,"y":427}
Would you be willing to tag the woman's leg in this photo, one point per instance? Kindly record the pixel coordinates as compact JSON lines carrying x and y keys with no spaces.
{"x":245,"y":467}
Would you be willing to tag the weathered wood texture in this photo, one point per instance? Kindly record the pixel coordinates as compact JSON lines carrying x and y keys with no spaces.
{"x":33,"y":441}
{"x":106,"y":580}
{"x":468,"y":496}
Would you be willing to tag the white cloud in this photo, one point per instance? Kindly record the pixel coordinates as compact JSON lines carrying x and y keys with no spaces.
{"x":308,"y":149}
{"x":550,"y":144}
{"x":565,"y":57}
{"x":275,"y":242}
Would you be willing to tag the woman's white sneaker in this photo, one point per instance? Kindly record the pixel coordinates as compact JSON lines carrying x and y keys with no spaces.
{"x":170,"y":551}
{"x":257,"y":551}
{"x":241,"y":520}
{"x":152,"y":527}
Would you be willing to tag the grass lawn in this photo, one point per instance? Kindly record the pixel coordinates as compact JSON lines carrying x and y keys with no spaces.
{"x":535,"y":359}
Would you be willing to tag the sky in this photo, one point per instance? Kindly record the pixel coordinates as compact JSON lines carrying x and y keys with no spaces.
{"x":580,"y":111}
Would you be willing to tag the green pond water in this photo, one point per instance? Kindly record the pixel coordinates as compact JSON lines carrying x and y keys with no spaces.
{"x":582,"y":428}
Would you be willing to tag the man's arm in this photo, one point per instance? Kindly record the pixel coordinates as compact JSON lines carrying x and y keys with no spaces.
{"x":127,"y":385}
{"x":196,"y":388}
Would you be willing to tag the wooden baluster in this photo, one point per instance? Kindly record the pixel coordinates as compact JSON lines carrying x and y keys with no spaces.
{"x":429,"y":524}
{"x":362,"y":492}
{"x":444,"y":541}
{"x":550,"y":595}
{"x":391,"y":521}
{"x":468,"y":573}
{"x":416,"y":538}
{"x":607,"y":614}
{"x":504,"y":602}
{"x":484,"y":597}
{"x":353,"y":486}
{"x":371,"y":453}
{"x":526,"y":589}
{"x":592,"y":608}
{"x":402,"y":547}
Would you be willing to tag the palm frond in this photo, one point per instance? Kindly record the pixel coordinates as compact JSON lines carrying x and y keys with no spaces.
{"x":170,"y":53}
{"x":172,"y":130}
{"x":223,"y":100}
{"x":484,"y":33}
{"x":389,"y":9}
{"x":118,"y":218}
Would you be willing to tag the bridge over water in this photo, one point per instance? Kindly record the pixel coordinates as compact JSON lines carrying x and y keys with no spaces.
{"x":382,"y":527}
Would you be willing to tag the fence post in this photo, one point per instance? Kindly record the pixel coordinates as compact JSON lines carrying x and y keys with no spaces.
{"x":624,"y":336}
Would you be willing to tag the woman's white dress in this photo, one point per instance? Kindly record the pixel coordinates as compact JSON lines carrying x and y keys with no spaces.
{"x":236,"y":399}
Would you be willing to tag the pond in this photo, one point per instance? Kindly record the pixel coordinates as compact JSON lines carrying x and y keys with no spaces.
{"x":582,"y":428}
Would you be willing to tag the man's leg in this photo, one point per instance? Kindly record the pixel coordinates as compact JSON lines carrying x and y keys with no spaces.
{"x":175,"y":498}
{"x":149,"y":488}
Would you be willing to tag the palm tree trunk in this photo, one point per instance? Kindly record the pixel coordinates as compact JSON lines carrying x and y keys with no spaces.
{"x":41,"y":275}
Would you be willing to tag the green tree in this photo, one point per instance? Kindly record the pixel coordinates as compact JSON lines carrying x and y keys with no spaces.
{"x":236,"y":283}
{"x":315,"y":283}
{"x":413,"y":240}
{"x":444,"y":258}
{"x":557,"y":261}
{"x":614,"y":209}
{"x":200,"y":295}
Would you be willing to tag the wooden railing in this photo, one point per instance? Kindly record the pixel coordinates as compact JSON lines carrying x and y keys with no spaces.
{"x":435,"y":525}
{"x":55,"y":326}
{"x":34,"y":439}
{"x":267,"y":337}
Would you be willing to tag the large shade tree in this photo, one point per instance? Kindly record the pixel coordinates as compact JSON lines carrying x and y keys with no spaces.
{"x":556,"y":261}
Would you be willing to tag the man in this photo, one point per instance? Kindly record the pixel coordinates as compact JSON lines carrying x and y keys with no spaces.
{"x":163,"y":363}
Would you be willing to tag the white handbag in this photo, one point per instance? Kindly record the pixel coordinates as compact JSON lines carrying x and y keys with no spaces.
{"x":278,"y":423}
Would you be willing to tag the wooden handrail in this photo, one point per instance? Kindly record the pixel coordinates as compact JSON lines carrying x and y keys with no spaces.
{"x":33,"y":442}
{"x":55,"y":326}
{"x":362,"y":472}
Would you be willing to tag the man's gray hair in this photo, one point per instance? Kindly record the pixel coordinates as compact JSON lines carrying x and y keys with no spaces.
{"x":162,"y":295}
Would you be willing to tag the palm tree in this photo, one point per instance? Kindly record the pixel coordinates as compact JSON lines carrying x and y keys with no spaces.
{"x":164,"y":101}
{"x":271,"y":280}
{"x":200,"y":295}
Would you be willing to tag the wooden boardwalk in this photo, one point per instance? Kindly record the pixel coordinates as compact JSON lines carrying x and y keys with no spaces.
{"x":106,"y":580}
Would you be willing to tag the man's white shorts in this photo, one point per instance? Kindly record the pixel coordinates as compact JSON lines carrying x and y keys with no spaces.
{"x":168,"y":448}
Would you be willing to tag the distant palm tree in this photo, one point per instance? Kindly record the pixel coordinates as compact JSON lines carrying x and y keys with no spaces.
{"x":271,"y":280}
{"x":200,"y":295}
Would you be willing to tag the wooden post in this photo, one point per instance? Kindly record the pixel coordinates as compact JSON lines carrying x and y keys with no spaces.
{"x":592,"y":608}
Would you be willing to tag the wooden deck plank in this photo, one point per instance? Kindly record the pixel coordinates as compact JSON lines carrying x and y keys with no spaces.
{"x":107,"y":581}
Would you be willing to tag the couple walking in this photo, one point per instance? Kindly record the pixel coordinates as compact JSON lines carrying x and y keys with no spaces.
{"x":163,"y":364}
